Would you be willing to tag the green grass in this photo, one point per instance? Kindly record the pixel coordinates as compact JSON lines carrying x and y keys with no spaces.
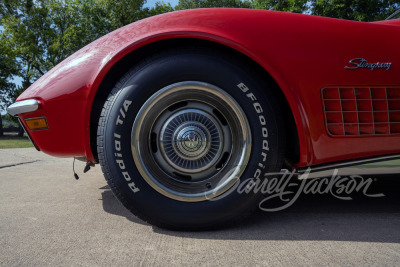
{"x":14,"y":142}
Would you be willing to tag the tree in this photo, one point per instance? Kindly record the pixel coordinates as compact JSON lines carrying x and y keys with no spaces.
{"x":160,"y":8}
{"x":1,"y":126}
{"x":7,"y":87}
{"x":361,"y":10}
{"x":296,"y":6}
{"x":39,"y":34}
{"x":188,"y":4}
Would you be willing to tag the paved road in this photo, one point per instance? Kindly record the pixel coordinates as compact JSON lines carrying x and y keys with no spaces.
{"x":49,"y":218}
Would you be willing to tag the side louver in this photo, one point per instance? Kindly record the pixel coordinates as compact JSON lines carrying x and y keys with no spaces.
{"x":360,"y":111}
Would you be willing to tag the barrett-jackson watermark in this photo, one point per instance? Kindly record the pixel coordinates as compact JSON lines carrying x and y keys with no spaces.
{"x":361,"y":63}
{"x":283,"y":189}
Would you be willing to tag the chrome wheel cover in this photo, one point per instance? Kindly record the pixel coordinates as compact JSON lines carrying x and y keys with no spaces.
{"x":191,"y":141}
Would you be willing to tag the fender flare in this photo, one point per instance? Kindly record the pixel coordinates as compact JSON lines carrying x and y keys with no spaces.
{"x":288,"y":89}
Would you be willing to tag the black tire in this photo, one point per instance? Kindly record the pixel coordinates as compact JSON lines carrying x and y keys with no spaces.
{"x":147,"y":196}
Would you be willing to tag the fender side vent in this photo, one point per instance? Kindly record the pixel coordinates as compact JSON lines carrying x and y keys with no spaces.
{"x":361,"y":111}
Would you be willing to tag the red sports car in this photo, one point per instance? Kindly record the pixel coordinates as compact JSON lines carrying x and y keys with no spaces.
{"x":181,"y":107}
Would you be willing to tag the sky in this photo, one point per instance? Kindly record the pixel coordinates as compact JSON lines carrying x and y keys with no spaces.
{"x":151,"y":3}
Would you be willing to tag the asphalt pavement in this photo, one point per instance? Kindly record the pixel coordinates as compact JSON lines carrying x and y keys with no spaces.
{"x":49,"y":218}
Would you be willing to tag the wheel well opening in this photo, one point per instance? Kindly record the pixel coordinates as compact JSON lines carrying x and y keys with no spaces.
{"x":292,"y":152}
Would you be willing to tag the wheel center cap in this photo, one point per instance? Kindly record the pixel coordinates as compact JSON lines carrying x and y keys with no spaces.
{"x":191,"y":140}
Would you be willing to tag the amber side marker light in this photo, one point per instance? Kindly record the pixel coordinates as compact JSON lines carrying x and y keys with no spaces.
{"x":39,"y":123}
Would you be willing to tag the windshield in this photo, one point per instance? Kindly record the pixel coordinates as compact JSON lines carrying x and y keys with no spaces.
{"x":395,"y":15}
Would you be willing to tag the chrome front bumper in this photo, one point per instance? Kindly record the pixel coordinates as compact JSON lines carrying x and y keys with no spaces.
{"x":23,"y":107}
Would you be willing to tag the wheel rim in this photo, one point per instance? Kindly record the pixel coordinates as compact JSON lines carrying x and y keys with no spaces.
{"x":191,"y":141}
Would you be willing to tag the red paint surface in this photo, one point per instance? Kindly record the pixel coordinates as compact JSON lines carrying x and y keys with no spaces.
{"x":302,"y":53}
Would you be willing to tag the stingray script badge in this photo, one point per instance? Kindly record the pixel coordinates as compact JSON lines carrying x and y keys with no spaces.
{"x":361,"y":63}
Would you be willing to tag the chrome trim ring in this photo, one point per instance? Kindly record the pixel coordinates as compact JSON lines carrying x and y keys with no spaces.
{"x":23,"y":107}
{"x":191,"y":141}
